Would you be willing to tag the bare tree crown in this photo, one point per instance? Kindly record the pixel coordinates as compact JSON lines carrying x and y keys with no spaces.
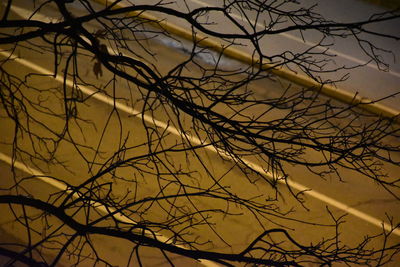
{"x":158,"y":154}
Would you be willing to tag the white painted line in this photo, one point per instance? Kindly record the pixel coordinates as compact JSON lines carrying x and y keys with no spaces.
{"x":38,"y":16}
{"x":99,"y":206}
{"x":309,"y":43}
{"x":194,"y":140}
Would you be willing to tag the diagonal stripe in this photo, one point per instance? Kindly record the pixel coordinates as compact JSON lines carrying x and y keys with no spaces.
{"x":194,"y":140}
{"x":99,"y":206}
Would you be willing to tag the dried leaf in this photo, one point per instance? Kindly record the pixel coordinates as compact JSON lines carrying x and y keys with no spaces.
{"x":97,"y":69}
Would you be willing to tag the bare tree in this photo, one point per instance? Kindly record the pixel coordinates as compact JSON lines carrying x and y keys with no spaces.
{"x":154,"y":188}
